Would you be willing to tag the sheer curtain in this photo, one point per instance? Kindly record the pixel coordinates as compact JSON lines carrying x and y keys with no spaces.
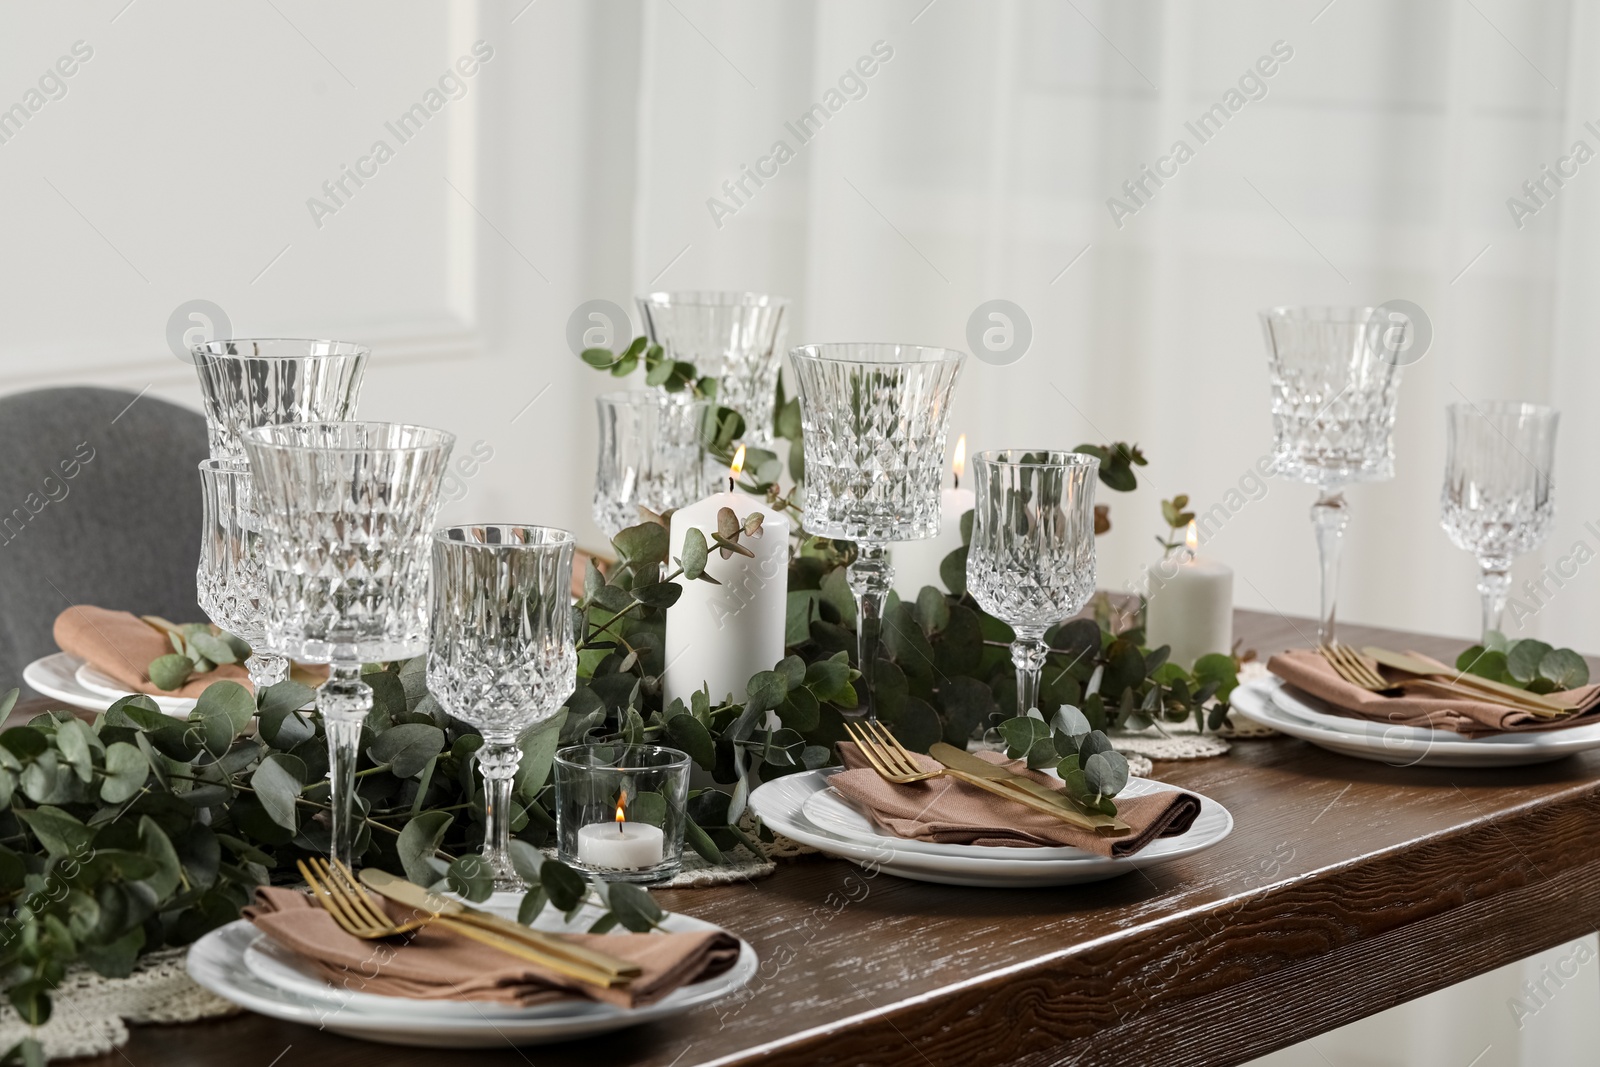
{"x":1140,"y":178}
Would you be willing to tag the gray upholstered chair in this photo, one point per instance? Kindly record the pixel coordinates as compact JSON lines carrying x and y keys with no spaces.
{"x":99,"y":504}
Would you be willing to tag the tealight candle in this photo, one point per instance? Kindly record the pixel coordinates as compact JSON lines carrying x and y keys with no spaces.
{"x":621,"y":845}
{"x":720,"y":635}
{"x":1190,"y":605}
{"x":916,"y":563}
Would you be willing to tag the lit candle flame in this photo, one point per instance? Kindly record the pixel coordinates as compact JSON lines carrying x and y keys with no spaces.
{"x":737,"y":468}
{"x":622,"y":817}
{"x":958,"y":464}
{"x":1191,"y":539}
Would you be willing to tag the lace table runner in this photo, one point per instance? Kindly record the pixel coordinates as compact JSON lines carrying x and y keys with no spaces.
{"x":91,"y":1013}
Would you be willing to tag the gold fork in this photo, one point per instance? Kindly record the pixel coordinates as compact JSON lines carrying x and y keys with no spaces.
{"x":1353,"y":669}
{"x":335,"y":890}
{"x":894,"y":764}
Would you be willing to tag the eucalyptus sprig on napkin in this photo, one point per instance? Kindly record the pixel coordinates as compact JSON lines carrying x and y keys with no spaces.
{"x":1093,"y":771}
{"x":1526,"y":663}
{"x":197,"y":648}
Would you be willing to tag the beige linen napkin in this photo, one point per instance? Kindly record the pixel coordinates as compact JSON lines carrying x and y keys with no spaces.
{"x":435,"y":963}
{"x":122,"y":646}
{"x":952,"y":812}
{"x":1305,"y":669}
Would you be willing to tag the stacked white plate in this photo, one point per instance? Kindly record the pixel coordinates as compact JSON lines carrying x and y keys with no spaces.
{"x":805,"y":808}
{"x":239,"y":963}
{"x":1273,"y":703}
{"x":67,"y":678}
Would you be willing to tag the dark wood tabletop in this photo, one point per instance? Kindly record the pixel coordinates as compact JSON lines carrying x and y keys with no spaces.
{"x":1347,"y":887}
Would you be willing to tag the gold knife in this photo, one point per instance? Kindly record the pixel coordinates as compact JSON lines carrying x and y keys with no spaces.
{"x":412,"y":895}
{"x":984,"y":775}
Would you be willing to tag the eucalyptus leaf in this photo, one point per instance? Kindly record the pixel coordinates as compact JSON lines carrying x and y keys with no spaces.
{"x":1565,"y":668}
{"x":1523,"y":661}
{"x":169,"y":672}
{"x":564,"y":886}
{"x":634,"y":907}
{"x":470,"y":877}
{"x":407,"y":748}
{"x":277,"y":782}
{"x":126,"y":771}
{"x":419,"y":840}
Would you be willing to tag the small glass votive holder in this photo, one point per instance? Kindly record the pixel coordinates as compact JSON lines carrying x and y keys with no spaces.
{"x":620,"y":810}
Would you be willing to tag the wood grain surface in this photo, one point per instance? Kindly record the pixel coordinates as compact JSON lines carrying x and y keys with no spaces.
{"x":1346,"y":888}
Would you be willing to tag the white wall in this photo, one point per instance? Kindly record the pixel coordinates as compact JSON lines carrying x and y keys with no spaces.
{"x":578,"y":165}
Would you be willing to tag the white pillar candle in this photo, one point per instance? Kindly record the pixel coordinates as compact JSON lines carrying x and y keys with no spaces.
{"x":720,"y":635}
{"x":1190,"y":605}
{"x":620,"y":845}
{"x":916,"y":563}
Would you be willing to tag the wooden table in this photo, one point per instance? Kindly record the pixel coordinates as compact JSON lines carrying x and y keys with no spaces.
{"x":1346,"y":888}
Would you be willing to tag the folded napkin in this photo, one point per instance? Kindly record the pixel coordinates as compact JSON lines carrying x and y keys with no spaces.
{"x":121,"y":645}
{"x":435,"y":963}
{"x":955,"y":813}
{"x":1305,"y":669}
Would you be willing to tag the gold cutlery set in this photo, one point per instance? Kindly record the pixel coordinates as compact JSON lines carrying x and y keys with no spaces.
{"x":338,"y":893}
{"x":1422,"y":675}
{"x":895,"y":764}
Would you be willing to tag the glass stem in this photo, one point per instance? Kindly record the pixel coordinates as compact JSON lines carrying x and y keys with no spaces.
{"x":344,"y":701}
{"x":1329,"y":516}
{"x":1028,"y":653}
{"x":498,"y":762}
{"x":1494,"y":585}
{"x":266,"y":668}
{"x":870,"y":577}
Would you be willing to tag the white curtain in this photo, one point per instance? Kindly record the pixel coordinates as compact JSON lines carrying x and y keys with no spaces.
{"x":988,"y":159}
{"x":938,"y":155}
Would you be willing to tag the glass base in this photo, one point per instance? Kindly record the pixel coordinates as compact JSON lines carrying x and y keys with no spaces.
{"x":661,"y":872}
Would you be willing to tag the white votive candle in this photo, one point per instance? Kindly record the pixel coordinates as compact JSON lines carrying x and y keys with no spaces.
{"x":620,"y":845}
{"x":1190,"y":605}
{"x":718,"y":636}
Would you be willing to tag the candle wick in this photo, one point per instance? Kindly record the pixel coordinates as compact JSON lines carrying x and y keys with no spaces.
{"x":955,"y":480}
{"x":730,"y":483}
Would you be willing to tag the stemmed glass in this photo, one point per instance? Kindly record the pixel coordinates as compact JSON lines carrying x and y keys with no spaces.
{"x":347,"y":509}
{"x":731,"y":336}
{"x":1031,"y":561}
{"x":1335,"y":381}
{"x":873,"y":418}
{"x":501,"y":654}
{"x":249,"y":382}
{"x":652,"y":453}
{"x":1498,"y":499}
{"x":229,"y":575}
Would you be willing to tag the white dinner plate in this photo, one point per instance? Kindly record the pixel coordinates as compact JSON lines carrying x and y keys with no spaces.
{"x":1271,"y":702}
{"x":236,"y":963}
{"x":58,"y":677}
{"x":781,"y":804}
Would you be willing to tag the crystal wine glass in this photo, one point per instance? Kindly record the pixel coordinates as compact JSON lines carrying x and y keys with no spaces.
{"x":732,"y":336}
{"x":265,"y":381}
{"x":1031,"y":561}
{"x":1335,"y":381}
{"x":652,"y":453}
{"x":501,"y":654}
{"x":873,"y":418}
{"x":1498,"y":500}
{"x":229,"y":575}
{"x":347,"y":509}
